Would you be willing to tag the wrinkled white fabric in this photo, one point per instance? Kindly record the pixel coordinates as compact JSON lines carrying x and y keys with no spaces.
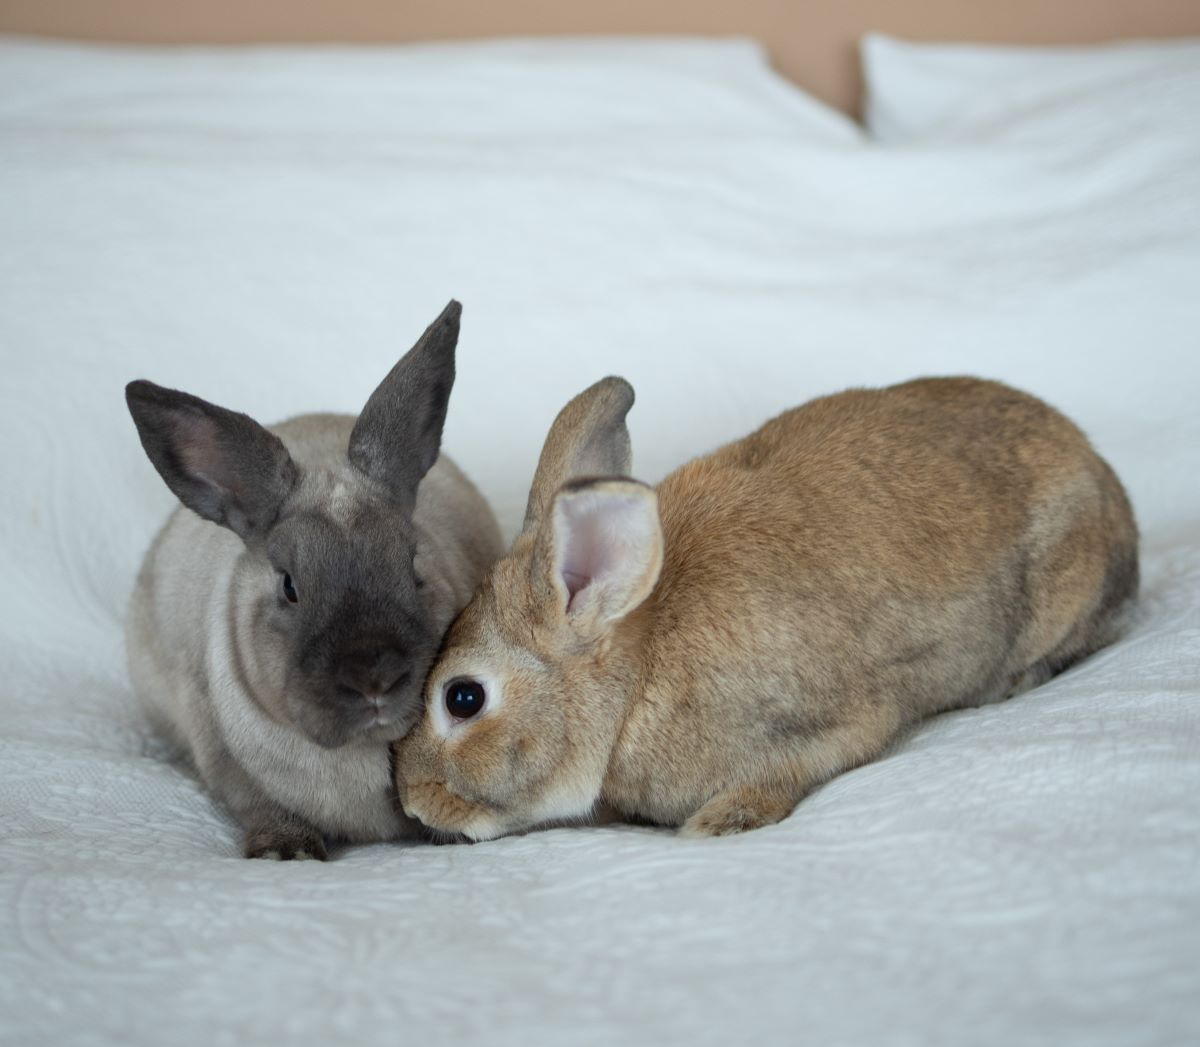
{"x":271,"y":229}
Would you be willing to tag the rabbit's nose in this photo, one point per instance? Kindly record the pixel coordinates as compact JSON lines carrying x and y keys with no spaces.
{"x":373,"y":674}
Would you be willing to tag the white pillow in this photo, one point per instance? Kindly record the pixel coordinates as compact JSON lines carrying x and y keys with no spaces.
{"x":505,"y":91}
{"x":1112,"y":94}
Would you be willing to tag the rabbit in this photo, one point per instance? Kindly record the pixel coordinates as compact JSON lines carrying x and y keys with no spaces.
{"x":284,"y":618}
{"x":703,"y":655}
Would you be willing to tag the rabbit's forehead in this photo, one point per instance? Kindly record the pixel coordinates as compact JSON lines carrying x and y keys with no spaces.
{"x":499,"y":623}
{"x":490,"y":656}
{"x":473,"y":647}
{"x":341,"y":499}
{"x":332,"y":524}
{"x":349,"y":500}
{"x":479,"y":647}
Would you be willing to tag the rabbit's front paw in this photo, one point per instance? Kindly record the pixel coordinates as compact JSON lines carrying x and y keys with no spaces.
{"x":738,"y":811}
{"x":285,"y":843}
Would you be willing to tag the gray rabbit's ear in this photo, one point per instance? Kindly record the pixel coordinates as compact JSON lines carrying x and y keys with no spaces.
{"x":222,"y":465}
{"x":398,"y":435}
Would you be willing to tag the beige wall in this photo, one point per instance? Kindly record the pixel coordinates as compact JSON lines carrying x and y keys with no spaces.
{"x":812,"y":42}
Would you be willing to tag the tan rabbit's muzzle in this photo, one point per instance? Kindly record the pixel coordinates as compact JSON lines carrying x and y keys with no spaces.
{"x":421,"y":783}
{"x":437,"y":808}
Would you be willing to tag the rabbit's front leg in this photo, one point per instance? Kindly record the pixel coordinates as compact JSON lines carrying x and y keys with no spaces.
{"x":284,"y":839}
{"x":741,"y":809}
{"x":270,"y":831}
{"x":868,"y":726}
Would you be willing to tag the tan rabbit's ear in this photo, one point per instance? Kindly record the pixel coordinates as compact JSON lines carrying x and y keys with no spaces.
{"x":603,"y":548}
{"x":587,"y":439}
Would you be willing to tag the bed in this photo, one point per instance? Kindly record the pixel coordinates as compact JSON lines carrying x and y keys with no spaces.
{"x":269,"y":228}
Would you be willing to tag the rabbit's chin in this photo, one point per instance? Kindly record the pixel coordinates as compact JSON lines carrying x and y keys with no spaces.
{"x":373,"y":727}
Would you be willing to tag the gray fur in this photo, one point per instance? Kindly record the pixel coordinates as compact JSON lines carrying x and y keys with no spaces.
{"x":288,"y":710}
{"x":408,"y":410}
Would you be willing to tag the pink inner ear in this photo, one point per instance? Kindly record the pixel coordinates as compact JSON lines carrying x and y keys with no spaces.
{"x":607,"y":543}
{"x":587,"y":552}
{"x":575,"y":584}
{"x":200,"y":452}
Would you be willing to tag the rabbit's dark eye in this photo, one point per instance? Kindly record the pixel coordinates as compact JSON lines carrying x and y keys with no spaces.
{"x":289,"y":589}
{"x":465,"y":698}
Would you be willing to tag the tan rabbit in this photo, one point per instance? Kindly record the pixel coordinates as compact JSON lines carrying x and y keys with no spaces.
{"x":776,"y":614}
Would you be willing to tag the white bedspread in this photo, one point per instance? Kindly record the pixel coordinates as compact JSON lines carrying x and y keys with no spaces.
{"x":271,"y":230}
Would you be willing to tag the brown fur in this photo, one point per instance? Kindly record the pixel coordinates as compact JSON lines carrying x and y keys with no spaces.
{"x":857,"y":564}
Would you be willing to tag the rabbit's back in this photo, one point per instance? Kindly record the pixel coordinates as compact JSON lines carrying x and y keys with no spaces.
{"x":880,"y":555}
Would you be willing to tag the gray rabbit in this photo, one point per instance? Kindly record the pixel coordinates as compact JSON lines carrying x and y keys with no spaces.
{"x":280,"y":631}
